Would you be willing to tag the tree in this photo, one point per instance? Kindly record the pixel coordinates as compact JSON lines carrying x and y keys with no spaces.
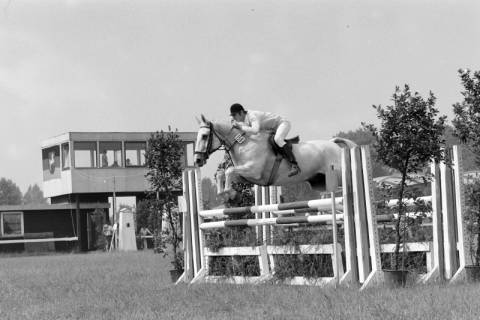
{"x":142,"y":214}
{"x":363,"y":136}
{"x":34,"y":195}
{"x":472,"y":220}
{"x":10,"y":193}
{"x":409,"y":137}
{"x":467,"y":112}
{"x":163,"y":158}
{"x":466,"y":124}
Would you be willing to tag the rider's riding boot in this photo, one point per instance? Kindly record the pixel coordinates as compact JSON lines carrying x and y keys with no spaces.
{"x":294,"y":169}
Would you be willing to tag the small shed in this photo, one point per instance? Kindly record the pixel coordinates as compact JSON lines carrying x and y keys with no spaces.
{"x":45,"y":227}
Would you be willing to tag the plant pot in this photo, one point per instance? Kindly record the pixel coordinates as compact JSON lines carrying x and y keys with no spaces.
{"x":473,"y":273}
{"x":175,"y":274}
{"x":395,"y":278}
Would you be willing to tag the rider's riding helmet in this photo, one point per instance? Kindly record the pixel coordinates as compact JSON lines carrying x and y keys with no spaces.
{"x":236,"y":108}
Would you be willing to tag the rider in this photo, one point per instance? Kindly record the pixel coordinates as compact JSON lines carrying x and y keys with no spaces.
{"x":251,"y":122}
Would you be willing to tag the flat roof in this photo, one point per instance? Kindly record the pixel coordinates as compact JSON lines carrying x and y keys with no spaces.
{"x":50,"y":207}
{"x":110,"y":136}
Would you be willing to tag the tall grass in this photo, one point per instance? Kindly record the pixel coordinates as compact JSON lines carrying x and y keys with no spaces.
{"x":138,"y":286}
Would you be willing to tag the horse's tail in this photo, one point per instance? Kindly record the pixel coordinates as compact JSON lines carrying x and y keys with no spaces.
{"x":342,"y":142}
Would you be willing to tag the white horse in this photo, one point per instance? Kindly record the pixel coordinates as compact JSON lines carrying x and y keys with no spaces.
{"x":254,"y":159}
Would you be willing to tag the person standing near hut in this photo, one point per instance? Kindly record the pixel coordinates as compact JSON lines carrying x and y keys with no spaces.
{"x":107,"y":232}
{"x":144,"y":232}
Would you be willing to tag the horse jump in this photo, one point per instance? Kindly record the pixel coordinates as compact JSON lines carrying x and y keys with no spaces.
{"x":359,"y":219}
{"x":255,"y":161}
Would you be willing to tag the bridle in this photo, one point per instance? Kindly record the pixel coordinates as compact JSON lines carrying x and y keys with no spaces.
{"x":224,"y":142}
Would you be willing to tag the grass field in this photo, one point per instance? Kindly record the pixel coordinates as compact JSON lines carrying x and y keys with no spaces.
{"x":138,"y":286}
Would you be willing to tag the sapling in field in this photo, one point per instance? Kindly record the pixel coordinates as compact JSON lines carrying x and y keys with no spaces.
{"x":409,"y":137}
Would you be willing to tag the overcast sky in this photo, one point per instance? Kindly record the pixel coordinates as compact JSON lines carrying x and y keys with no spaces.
{"x":144,"y":65}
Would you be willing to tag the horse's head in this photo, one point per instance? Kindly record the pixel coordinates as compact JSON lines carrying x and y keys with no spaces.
{"x":207,"y":141}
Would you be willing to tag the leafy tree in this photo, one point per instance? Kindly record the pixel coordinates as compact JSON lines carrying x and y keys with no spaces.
{"x":142,"y":214}
{"x":472,"y":220}
{"x":409,"y":137}
{"x":34,"y":195}
{"x":363,"y":136}
{"x":10,"y":193}
{"x":466,"y":124}
{"x":467,"y":112}
{"x":163,"y":158}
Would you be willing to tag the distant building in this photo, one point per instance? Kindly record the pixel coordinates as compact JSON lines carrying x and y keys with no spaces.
{"x":81,"y":170}
{"x":93,"y":165}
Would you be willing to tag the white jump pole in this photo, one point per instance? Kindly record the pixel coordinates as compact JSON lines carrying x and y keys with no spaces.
{"x":331,"y":186}
{"x":462,"y":245}
{"x":376,"y":275}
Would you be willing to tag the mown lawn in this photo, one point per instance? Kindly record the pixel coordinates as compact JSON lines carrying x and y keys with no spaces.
{"x":137,"y":286}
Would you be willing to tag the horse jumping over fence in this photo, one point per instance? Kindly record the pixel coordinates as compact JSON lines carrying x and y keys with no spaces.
{"x":446,"y":254}
{"x":255,"y":161}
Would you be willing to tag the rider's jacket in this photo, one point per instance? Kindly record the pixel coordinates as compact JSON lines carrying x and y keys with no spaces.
{"x":260,"y":120}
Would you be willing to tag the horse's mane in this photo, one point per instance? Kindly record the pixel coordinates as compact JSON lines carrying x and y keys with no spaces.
{"x":223,"y":127}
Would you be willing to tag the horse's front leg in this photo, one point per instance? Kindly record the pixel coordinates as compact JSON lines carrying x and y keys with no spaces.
{"x":233,"y":173}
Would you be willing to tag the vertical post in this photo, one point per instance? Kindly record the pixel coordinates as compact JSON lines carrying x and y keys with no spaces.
{"x":182,"y":210}
{"x":194,"y":223}
{"x":438,"y":268}
{"x":448,"y":208}
{"x":188,"y":232}
{"x":199,"y":196}
{"x":258,"y":215}
{"x":376,"y":274}
{"x":335,"y":240}
{"x":79,"y":223}
{"x":114,"y":215}
{"x":361,"y":231}
{"x":351,"y":272}
{"x":462,"y":245}
{"x":265,"y":228}
{"x":123,"y":156}
{"x":198,"y":220}
{"x":331,"y":186}
{"x":273,"y":194}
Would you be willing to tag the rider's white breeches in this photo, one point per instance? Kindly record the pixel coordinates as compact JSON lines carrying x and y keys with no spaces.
{"x":281,"y":133}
